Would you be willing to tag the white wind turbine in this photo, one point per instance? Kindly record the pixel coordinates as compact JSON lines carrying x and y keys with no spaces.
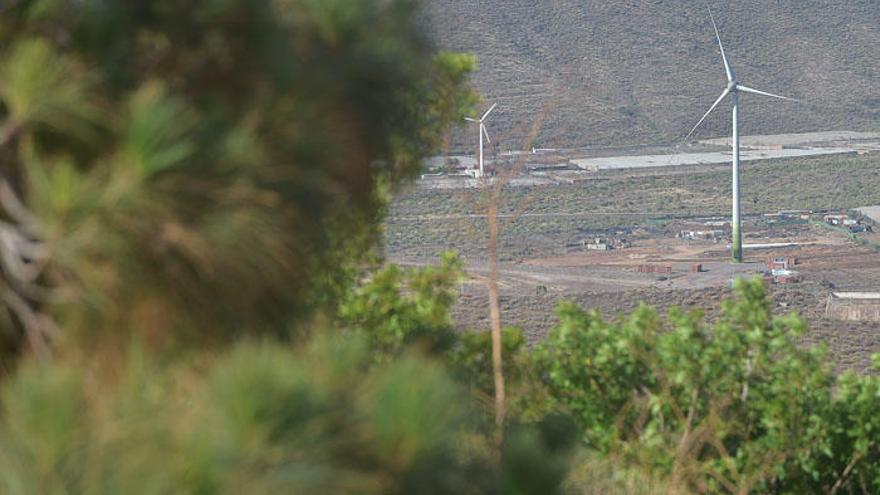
{"x":482,"y":132}
{"x":733,"y":89}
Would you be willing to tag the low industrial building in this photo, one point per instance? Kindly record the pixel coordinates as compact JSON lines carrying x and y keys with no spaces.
{"x":702,"y":235}
{"x":854,"y":306}
{"x":785,"y":277}
{"x":602,"y":244}
{"x":836,"y":219}
{"x":781,"y":262}
{"x":855,"y":226}
{"x":789,"y":215}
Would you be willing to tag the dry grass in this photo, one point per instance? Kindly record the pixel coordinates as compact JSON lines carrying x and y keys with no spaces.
{"x":644,"y":71}
{"x":555,"y":215}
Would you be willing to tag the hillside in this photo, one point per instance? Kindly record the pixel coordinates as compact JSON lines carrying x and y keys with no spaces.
{"x":644,"y":71}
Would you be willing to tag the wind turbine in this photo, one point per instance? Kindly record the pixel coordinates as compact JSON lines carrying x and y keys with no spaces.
{"x":734,"y":88}
{"x":482,"y":132}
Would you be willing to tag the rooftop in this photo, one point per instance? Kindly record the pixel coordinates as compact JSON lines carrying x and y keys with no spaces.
{"x":857,"y":295}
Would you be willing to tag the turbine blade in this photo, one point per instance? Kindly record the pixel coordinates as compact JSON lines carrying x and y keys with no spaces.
{"x":731,"y":76}
{"x":485,"y":133}
{"x":711,"y":109}
{"x":470,"y":119}
{"x":747,"y":89}
{"x":488,"y":112}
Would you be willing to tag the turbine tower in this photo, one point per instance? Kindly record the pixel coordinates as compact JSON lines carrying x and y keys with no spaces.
{"x":482,"y":132}
{"x":734,"y":88}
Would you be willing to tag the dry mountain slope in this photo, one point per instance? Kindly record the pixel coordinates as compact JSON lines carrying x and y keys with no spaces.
{"x":643,"y":71}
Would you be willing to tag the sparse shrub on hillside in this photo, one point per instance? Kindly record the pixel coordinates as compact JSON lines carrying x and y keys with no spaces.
{"x":622,"y":202}
{"x":644,"y":71}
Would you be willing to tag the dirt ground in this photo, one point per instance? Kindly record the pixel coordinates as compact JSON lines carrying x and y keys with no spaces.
{"x":544,"y":225}
{"x":610,"y":282}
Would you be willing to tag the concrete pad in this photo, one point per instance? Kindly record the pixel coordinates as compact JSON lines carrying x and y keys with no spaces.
{"x":872,"y":212}
{"x":708,"y":158}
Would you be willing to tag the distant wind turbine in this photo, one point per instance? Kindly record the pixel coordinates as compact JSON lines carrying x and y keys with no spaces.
{"x":733,"y":89}
{"x":482,"y":132}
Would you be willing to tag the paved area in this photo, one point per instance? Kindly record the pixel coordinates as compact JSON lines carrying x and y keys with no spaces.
{"x":707,"y":158}
{"x":802,"y":139}
{"x":872,"y":212}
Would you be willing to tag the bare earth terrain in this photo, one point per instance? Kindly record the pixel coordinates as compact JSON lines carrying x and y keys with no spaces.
{"x":609,"y":282}
{"x":545,"y":228}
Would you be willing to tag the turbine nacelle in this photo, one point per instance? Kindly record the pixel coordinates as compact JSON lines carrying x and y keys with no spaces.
{"x":734,"y":87}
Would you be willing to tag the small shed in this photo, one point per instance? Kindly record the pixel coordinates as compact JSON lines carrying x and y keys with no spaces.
{"x":854,"y":306}
{"x":786,"y":277}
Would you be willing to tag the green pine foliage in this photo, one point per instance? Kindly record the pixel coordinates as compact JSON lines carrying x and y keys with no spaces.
{"x":201,"y":170}
{"x":261,"y":419}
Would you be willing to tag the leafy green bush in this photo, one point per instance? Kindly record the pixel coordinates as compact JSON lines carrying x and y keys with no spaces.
{"x":674,"y":405}
{"x":471,"y":358}
{"x":396,"y":307}
{"x":737,"y":406}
